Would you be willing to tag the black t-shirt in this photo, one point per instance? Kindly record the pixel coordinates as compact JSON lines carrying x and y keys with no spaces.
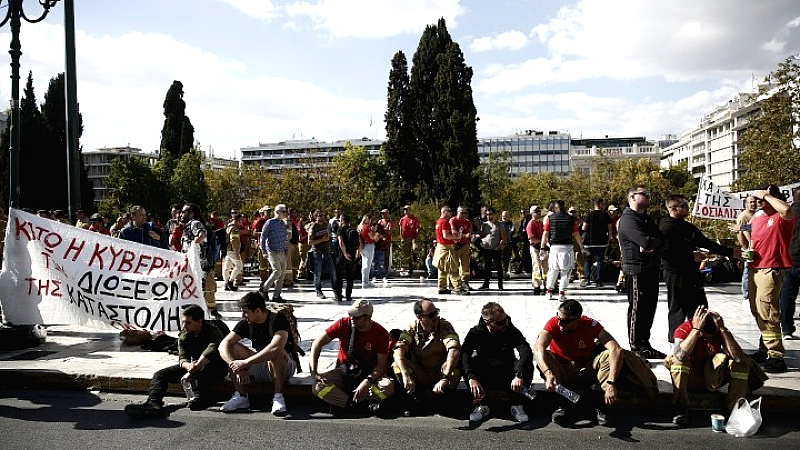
{"x":794,"y":244}
{"x":261,"y":337}
{"x":597,"y":223}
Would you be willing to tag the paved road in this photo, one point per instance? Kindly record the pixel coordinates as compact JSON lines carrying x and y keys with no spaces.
{"x":32,"y":419}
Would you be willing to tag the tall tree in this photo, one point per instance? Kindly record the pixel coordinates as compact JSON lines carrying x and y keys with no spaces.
{"x":177,"y":135}
{"x":444,"y":119}
{"x":768,"y":150}
{"x":399,"y":149}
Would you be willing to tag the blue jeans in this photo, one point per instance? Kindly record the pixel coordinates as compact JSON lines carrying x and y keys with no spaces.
{"x":317,"y":260}
{"x":379,"y":263}
{"x":595,"y":254}
{"x":745,"y":283}
{"x":791,"y":285}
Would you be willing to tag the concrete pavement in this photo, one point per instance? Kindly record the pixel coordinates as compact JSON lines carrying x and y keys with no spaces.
{"x":80,"y":358}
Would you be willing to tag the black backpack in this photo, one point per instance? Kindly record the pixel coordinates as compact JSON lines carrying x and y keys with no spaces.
{"x":210,"y":249}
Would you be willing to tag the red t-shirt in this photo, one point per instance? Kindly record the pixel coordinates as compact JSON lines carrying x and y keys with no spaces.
{"x":368,"y":345}
{"x":364,"y":233}
{"x":441,"y":225}
{"x":462,"y":225}
{"x":704,"y":349}
{"x":535,"y":228}
{"x":409,"y":225}
{"x":770,"y":239}
{"x":575,"y":345}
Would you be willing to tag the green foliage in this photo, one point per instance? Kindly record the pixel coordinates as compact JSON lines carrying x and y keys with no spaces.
{"x":398,"y":150}
{"x":494,"y":177}
{"x":188,"y":182}
{"x":768,"y":150}
{"x":132,"y":182}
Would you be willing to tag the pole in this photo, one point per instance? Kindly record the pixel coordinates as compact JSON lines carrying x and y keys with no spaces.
{"x":15,"y":51}
{"x":71,"y":103}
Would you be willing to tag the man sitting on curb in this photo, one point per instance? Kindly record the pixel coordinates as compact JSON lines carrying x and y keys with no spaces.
{"x":426,"y":356}
{"x":198,"y":360}
{"x":568,"y":353}
{"x":271,"y":362}
{"x":491,"y":369}
{"x":707,"y":356}
{"x":362,"y":363}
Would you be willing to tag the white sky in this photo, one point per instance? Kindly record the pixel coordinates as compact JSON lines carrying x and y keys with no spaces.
{"x":270,"y":70}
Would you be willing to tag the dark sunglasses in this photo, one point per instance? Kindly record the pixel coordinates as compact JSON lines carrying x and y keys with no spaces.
{"x":498,"y":323}
{"x":566,"y":321}
{"x":430,"y":316}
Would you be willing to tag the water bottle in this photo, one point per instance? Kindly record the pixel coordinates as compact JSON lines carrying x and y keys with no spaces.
{"x":567,"y":394}
{"x":542,"y":255}
{"x":528,"y":391}
{"x":188,"y":388}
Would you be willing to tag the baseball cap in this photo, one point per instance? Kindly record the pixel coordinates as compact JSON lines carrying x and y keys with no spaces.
{"x":612,"y":208}
{"x":360,"y":308}
{"x":407,"y":207}
{"x":95,"y":217}
{"x":571,"y":209}
{"x":534,"y":208}
{"x":384,"y":210}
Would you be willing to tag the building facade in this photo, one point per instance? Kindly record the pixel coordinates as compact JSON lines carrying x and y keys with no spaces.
{"x":300,"y":154}
{"x":98,"y":165}
{"x":531,"y":151}
{"x":584,"y":153}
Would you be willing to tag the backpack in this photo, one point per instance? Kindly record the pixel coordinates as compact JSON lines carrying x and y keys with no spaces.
{"x":210,"y":249}
{"x":294,"y":336}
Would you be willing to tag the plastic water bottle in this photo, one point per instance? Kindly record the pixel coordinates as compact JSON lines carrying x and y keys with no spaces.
{"x":188,"y":388}
{"x":528,"y":391}
{"x":567,"y":394}
{"x":542,"y":255}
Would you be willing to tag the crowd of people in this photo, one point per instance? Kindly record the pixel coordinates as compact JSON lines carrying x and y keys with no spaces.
{"x":554,"y":245}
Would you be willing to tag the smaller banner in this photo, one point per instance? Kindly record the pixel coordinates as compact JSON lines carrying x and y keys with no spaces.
{"x":56,"y":273}
{"x":712,"y":203}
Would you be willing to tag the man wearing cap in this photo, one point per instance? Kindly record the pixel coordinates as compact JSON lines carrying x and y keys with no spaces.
{"x":274,"y":242}
{"x":409,"y":227}
{"x":359,"y":376}
{"x":443,"y":257}
{"x":493,"y":241}
{"x":490,"y":365}
{"x":534,"y":229}
{"x":98,"y":224}
{"x":426,"y":356}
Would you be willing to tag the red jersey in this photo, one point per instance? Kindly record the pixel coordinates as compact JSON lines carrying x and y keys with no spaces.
{"x":409,"y":225}
{"x":534,"y":229}
{"x":258,"y":224}
{"x":368,"y":344}
{"x":771,"y":235}
{"x":443,"y":225}
{"x":462,"y":225}
{"x":364,"y":233}
{"x":577,"y":345}
{"x":704,"y":349}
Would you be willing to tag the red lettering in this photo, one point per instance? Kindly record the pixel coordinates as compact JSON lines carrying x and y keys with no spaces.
{"x":97,"y":254}
{"x":76,"y":248}
{"x":126,"y":264}
{"x":141,"y":263}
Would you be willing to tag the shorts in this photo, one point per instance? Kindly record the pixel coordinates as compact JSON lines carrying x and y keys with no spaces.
{"x":260,"y":371}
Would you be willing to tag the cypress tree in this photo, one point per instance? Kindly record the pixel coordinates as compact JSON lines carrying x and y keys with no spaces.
{"x":404,"y":167}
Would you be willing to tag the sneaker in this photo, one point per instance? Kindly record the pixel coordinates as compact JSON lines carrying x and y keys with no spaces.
{"x":197,"y":404}
{"x":551,"y":294}
{"x":537,"y":291}
{"x":144,"y":410}
{"x":375,"y":409}
{"x":278,"y":299}
{"x":759,"y":357}
{"x":559,"y":415}
{"x":518,"y":413}
{"x":604,"y":418}
{"x":775,"y":365}
{"x":650,"y":353}
{"x":480,"y":413}
{"x":444,"y":291}
{"x":681,"y":418}
{"x":584,"y":282}
{"x":484,"y":287}
{"x":238,"y":401}
{"x":562,"y":296}
{"x":279,"y":405}
{"x":320,"y":294}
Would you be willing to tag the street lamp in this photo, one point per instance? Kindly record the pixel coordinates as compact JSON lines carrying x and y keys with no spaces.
{"x":15,"y":13}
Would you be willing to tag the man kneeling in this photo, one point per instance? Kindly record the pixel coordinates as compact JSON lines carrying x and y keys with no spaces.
{"x":198,"y":361}
{"x":707,"y":356}
{"x":269,"y":333}
{"x":576,"y":352}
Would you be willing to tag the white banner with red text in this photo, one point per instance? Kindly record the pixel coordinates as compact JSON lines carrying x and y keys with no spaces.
{"x":56,"y":273}
{"x":714,"y":203}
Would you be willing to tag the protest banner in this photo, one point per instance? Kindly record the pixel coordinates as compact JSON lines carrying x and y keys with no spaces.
{"x":713,"y":203}
{"x":56,"y":273}
{"x":787,"y":191}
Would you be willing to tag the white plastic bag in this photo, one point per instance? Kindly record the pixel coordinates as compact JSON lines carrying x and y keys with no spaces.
{"x":745,"y":419}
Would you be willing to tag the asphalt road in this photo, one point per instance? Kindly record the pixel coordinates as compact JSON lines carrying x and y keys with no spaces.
{"x":31,"y":419}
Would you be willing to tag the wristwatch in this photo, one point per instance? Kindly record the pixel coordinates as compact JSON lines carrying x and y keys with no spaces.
{"x":611,"y":382}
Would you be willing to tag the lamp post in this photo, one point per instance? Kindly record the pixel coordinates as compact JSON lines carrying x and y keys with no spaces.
{"x":15,"y":13}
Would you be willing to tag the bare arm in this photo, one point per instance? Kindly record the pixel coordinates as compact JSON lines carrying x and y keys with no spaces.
{"x":316,"y":348}
{"x":539,"y":347}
